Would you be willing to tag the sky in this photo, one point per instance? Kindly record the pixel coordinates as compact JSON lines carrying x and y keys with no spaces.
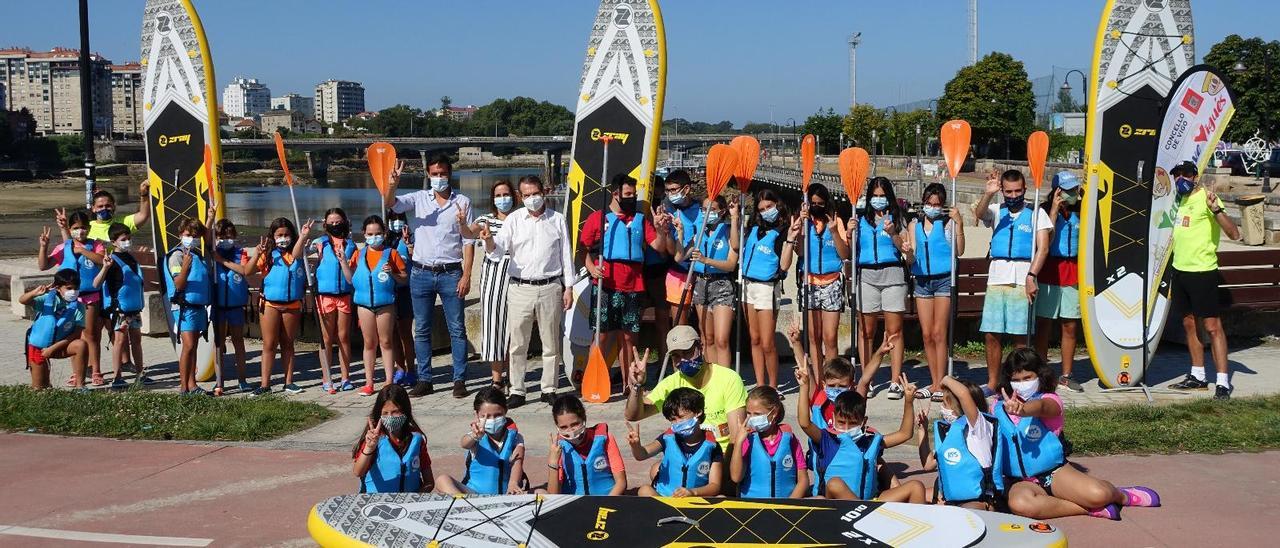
{"x":743,"y":60}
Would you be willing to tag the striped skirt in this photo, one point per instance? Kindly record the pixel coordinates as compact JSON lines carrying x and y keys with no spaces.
{"x":493,"y":297}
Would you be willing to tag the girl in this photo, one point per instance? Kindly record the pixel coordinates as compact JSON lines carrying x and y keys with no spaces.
{"x":79,"y":253}
{"x":55,"y":333}
{"x":928,"y":250}
{"x":767,"y":461}
{"x":715,"y":292}
{"x":1043,"y":484}
{"x":582,"y":461}
{"x":398,"y":239}
{"x":1059,"y":300}
{"x":121,"y":277}
{"x":284,"y":285}
{"x":493,"y":285}
{"x":190,"y":287}
{"x":391,"y":455}
{"x":333,"y":293}
{"x":767,"y":255}
{"x":964,"y":448}
{"x":373,"y":273}
{"x":230,"y":295}
{"x":495,"y":451}
{"x":822,"y":294}
{"x":692,"y":462}
{"x":883,"y":283}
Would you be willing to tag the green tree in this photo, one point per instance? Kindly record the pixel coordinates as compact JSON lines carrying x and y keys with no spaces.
{"x":899,"y":135}
{"x":521,"y":116}
{"x":395,"y":121}
{"x":1066,"y":103}
{"x":445,"y":103}
{"x":826,"y":126}
{"x":1256,"y":88}
{"x":755,"y":128}
{"x":861,"y":121}
{"x":995,"y":97}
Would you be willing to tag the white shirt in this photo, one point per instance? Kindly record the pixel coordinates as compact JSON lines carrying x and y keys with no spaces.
{"x":539,"y":247}
{"x":978,"y":439}
{"x":437,"y":237}
{"x":1004,"y":271}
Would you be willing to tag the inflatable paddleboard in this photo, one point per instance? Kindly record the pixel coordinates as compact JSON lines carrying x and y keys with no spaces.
{"x":547,"y":521}
{"x":1141,"y":48}
{"x":180,"y":117}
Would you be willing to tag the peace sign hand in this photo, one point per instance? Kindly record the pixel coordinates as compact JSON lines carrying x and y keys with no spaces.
{"x":462,"y":216}
{"x":633,"y":433}
{"x":60,"y":217}
{"x":477,"y":429}
{"x":794,"y":229}
{"x":44,"y":236}
{"x":743,"y":432}
{"x":397,"y":171}
{"x":802,"y":375}
{"x":262,"y":245}
{"x":890,"y":227}
{"x":733,"y":206}
{"x":108,"y":260}
{"x":638,"y":365}
{"x":553,"y":456}
{"x":306,"y":228}
{"x":1012,"y":403}
{"x":372,"y":433}
{"x":908,"y":387}
{"x":43,"y":288}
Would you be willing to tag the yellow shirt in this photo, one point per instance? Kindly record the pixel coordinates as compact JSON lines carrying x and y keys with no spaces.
{"x":723,"y":393}
{"x":1196,"y":234}
{"x":98,"y":230}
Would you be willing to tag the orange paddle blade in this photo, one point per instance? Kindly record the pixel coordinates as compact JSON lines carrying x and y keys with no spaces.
{"x":1037,"y":153}
{"x":722,"y":165}
{"x":284,"y":164}
{"x":955,"y":144}
{"x":208,"y":175}
{"x":595,"y":380}
{"x":382,"y":159}
{"x":854,"y":164}
{"x":748,"y":157}
{"x":808,"y":153}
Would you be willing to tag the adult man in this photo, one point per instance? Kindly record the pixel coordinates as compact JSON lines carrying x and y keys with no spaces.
{"x":104,"y":212}
{"x":1011,"y":274}
{"x":721,"y":387}
{"x":541,"y":288}
{"x":440,"y":220}
{"x":1197,"y":228}
{"x":680,"y":201}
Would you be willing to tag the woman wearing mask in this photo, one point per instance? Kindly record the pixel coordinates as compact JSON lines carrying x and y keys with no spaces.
{"x":883,"y":281}
{"x":766,"y":256}
{"x":493,"y":284}
{"x":824,"y":251}
{"x":333,"y":292}
{"x":929,"y":251}
{"x":1059,"y":300}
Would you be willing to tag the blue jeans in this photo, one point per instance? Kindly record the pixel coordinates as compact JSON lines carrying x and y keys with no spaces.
{"x":424,"y":286}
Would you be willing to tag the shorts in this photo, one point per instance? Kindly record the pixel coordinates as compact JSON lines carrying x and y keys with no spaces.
{"x":1005,"y":309}
{"x":35,"y":356}
{"x":882,"y":298}
{"x":404,"y":303}
{"x":328,"y":303}
{"x":621,"y":310}
{"x":1058,"y":302}
{"x":763,"y":295}
{"x":127,"y":321}
{"x":932,"y":286}
{"x":655,"y":283}
{"x":90,"y":298}
{"x":233,"y":316}
{"x":675,"y":287}
{"x":190,"y":318}
{"x":829,"y":298}
{"x":715,"y":292}
{"x":1196,"y":293}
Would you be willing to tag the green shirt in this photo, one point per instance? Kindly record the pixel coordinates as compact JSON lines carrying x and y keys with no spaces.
{"x":1196,"y":234}
{"x":98,"y":230}
{"x":723,"y":393}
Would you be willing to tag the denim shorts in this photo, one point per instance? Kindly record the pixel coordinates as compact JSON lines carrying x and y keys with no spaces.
{"x":933,"y":286}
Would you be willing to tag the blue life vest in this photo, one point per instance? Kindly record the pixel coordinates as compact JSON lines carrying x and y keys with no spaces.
{"x":1029,"y":448}
{"x":690,"y":218}
{"x":1011,"y":238}
{"x":678,"y":469}
{"x":329,"y":279}
{"x":875,"y":245}
{"x":489,"y":470}
{"x":373,"y":288}
{"x":715,"y":246}
{"x":762,"y":263}
{"x":128,"y":297}
{"x":624,"y":241}
{"x":933,"y":250}
{"x":231,"y":291}
{"x":770,"y":476}
{"x":821,"y":251}
{"x":199,"y":288}
{"x":393,"y":472}
{"x":816,"y":415}
{"x":86,"y":267}
{"x":854,"y":463}
{"x":589,"y":475}
{"x":1066,"y":237}
{"x":403,"y":249}
{"x":55,"y":320}
{"x":285,"y":282}
{"x":960,"y":476}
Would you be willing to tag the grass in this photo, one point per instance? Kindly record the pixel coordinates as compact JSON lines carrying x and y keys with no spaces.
{"x":1200,"y":426}
{"x":142,"y":414}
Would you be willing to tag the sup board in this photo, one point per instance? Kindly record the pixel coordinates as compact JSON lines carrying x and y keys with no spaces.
{"x":180,"y":119}
{"x":620,"y":96}
{"x":1141,"y":48}
{"x":547,"y":521}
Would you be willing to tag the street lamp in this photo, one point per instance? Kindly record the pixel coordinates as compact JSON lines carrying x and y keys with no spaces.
{"x":794,"y":136}
{"x":891,"y":117}
{"x":1084,"y":83}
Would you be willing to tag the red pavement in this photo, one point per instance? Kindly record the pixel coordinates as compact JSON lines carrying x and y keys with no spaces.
{"x":240,"y":496}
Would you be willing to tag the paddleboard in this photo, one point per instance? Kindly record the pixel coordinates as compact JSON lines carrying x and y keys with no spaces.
{"x":180,"y":118}
{"x":620,"y":96}
{"x":547,"y":521}
{"x":1142,"y":46}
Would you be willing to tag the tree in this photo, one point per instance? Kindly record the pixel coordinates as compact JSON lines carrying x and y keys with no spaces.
{"x":445,"y":103}
{"x":899,"y":135}
{"x":1256,"y":88}
{"x":995,"y":97}
{"x":396,"y":121}
{"x":1066,"y":103}
{"x":861,"y":121}
{"x":826,"y":126}
{"x":756,"y":128}
{"x":520,"y":116}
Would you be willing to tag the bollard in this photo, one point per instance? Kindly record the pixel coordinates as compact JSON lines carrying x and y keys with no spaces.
{"x":1252,"y":231}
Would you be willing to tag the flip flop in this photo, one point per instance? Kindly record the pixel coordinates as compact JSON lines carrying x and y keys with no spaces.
{"x":98,"y":380}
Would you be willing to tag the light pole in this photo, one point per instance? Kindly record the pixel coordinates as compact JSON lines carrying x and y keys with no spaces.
{"x":794,"y":136}
{"x":1084,"y":83}
{"x":1240,"y":68}
{"x":891,"y":122}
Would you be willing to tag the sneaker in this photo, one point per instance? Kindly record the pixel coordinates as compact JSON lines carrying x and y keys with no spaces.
{"x":1221,"y":393}
{"x":1190,"y":383}
{"x":547,"y":398}
{"x":148,"y":380}
{"x":260,"y":391}
{"x":119,"y":384}
{"x":459,"y":389}
{"x":328,"y":388}
{"x":895,"y":391}
{"x":346,"y":386}
{"x":398,"y":377}
{"x":292,"y":388}
{"x":367,"y":390}
{"x":198,"y":392}
{"x":1070,"y":384}
{"x":1110,"y":511}
{"x":1140,"y":496}
{"x":421,"y":388}
{"x":244,"y":387}
{"x":516,"y":400}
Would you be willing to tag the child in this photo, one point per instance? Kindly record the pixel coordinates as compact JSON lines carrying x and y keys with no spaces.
{"x":929,"y":251}
{"x":84,"y":255}
{"x":1059,"y":298}
{"x":766,"y":257}
{"x":965,"y":450}
{"x":373,"y":273}
{"x":56,"y":330}
{"x":333,"y":292}
{"x":882,"y":281}
{"x":121,"y":277}
{"x":1030,"y":420}
{"x":822,"y":295}
{"x":495,"y":451}
{"x":189,"y":285}
{"x":231,"y":294}
{"x":692,"y":462}
{"x":715,"y":291}
{"x":391,"y":456}
{"x":767,"y":461}
{"x":582,"y":461}
{"x":398,"y":238}
{"x":283,"y":286}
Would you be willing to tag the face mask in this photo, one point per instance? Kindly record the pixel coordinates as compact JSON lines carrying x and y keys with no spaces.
{"x":758,"y":423}
{"x":226,"y":244}
{"x":188,"y":241}
{"x":685,"y":427}
{"x":77,"y":233}
{"x":627,"y":205}
{"x":393,"y":423}
{"x":123,"y":245}
{"x":338,"y":229}
{"x":677,"y":198}
{"x":769,"y":215}
{"x":535,"y":202}
{"x":949,"y":416}
{"x":103,"y":214}
{"x":495,"y":425}
{"x":713,"y":217}
{"x":855,"y":432}
{"x":397,"y":226}
{"x":1184,"y":185}
{"x":1070,"y":198}
{"x":283,"y":242}
{"x":932,"y":212}
{"x":818,"y":210}
{"x":574,"y":435}
{"x":439,"y":184}
{"x":690,"y":366}
{"x":70,"y":295}
{"x":879,"y":203}
{"x":1014,"y":203}
{"x":503,"y":203}
{"x":834,"y":392}
{"x":1026,"y":389}
{"x":375,"y":240}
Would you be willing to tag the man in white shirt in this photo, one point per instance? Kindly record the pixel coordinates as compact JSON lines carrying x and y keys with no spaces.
{"x":541,"y":288}
{"x":1011,"y":275}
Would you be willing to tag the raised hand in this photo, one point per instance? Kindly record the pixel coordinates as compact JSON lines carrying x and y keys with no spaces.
{"x":262,"y":245}
{"x":60,"y":217}
{"x":397,"y":171}
{"x":1211,"y":198}
{"x":890,"y":341}
{"x":793,"y":333}
{"x":638,"y":365}
{"x":793,"y":231}
{"x":1012,"y":403}
{"x":43,"y":288}
{"x":890,"y":227}
{"x":804,"y":212}
{"x":993,"y":182}
{"x":108,"y":260}
{"x":954,"y":213}
{"x":462,"y":217}
{"x":306,"y":228}
{"x":477,"y":429}
{"x":144,"y":188}
{"x":733,"y":206}
{"x":485,"y":233}
{"x":1057,"y":199}
{"x":908,"y":387}
{"x":44,"y":236}
{"x":372,"y":432}
{"x":633,"y":433}
{"x":553,"y":455}
{"x":802,"y":374}
{"x":743,"y":432}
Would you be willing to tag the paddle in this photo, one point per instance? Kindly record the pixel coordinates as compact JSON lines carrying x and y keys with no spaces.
{"x":748,"y":149}
{"x":808,"y":153}
{"x":854,"y":163}
{"x":211,"y":249}
{"x":1037,"y":153}
{"x":954,"y":136}
{"x":595,"y":380}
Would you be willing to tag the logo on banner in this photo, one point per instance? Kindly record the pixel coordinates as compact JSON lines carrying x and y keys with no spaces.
{"x":1192,"y":101}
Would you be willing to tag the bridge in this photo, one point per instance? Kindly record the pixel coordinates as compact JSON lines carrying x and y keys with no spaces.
{"x":549,"y":143}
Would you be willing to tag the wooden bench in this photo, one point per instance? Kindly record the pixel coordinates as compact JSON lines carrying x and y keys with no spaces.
{"x":1250,"y":279}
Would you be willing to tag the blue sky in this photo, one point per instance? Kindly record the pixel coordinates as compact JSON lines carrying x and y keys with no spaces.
{"x":726,"y":60}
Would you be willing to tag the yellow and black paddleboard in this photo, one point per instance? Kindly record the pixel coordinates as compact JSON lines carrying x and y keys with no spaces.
{"x":548,"y":521}
{"x":180,"y":116}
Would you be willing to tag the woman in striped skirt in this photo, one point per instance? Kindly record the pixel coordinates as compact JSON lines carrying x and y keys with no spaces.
{"x":493,"y":285}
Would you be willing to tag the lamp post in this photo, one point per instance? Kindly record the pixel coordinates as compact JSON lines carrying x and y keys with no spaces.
{"x":793,"y":136}
{"x":1240,"y":68}
{"x":1084,"y":83}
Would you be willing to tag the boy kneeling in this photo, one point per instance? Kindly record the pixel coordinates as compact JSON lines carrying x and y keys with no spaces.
{"x":55,"y":334}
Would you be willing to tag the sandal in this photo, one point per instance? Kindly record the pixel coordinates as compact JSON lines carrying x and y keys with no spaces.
{"x":98,"y":380}
{"x":924,"y":394}
{"x":937,"y":397}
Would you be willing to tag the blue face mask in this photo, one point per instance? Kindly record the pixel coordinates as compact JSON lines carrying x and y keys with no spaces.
{"x":932,"y":212}
{"x":769,"y":215}
{"x":685,"y":427}
{"x":758,"y":423}
{"x":1015,"y":202}
{"x":1184,"y":185}
{"x":503,"y":203}
{"x":690,"y":366}
{"x":375,"y":240}
{"x":104,"y":214}
{"x":834,"y":392}
{"x":879,"y":203}
{"x":713,"y":218}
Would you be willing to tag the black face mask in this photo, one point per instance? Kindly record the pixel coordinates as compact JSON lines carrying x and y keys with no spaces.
{"x":338,"y":230}
{"x":818,"y":210}
{"x":627,"y":205}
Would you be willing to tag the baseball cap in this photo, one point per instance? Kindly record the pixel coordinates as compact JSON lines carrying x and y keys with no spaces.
{"x":1187,"y":169}
{"x":681,"y":337}
{"x":1066,"y":180}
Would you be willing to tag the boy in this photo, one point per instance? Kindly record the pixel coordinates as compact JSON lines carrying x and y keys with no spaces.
{"x":121,"y":280}
{"x":56,"y":330}
{"x":232,"y":267}
{"x":692,"y":462}
{"x":189,"y":285}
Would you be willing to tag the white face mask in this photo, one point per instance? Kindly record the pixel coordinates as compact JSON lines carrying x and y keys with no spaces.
{"x":77,"y":233}
{"x":123,"y":245}
{"x":439,"y":184}
{"x":70,"y":295}
{"x":948,"y":416}
{"x":188,"y":242}
{"x":283,"y":242}
{"x":855,"y":432}
{"x":1026,"y":389}
{"x":758,"y":423}
{"x":574,"y":435}
{"x":494,"y":425}
{"x":535,"y":202}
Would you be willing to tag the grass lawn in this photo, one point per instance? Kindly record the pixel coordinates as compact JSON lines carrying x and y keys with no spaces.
{"x":1200,"y":426}
{"x":142,"y":414}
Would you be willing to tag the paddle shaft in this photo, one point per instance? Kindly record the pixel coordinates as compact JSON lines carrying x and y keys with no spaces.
{"x":955,"y":295}
{"x":604,"y":176}
{"x":742,"y":294}
{"x":306,"y":268}
{"x":1031,"y":308}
